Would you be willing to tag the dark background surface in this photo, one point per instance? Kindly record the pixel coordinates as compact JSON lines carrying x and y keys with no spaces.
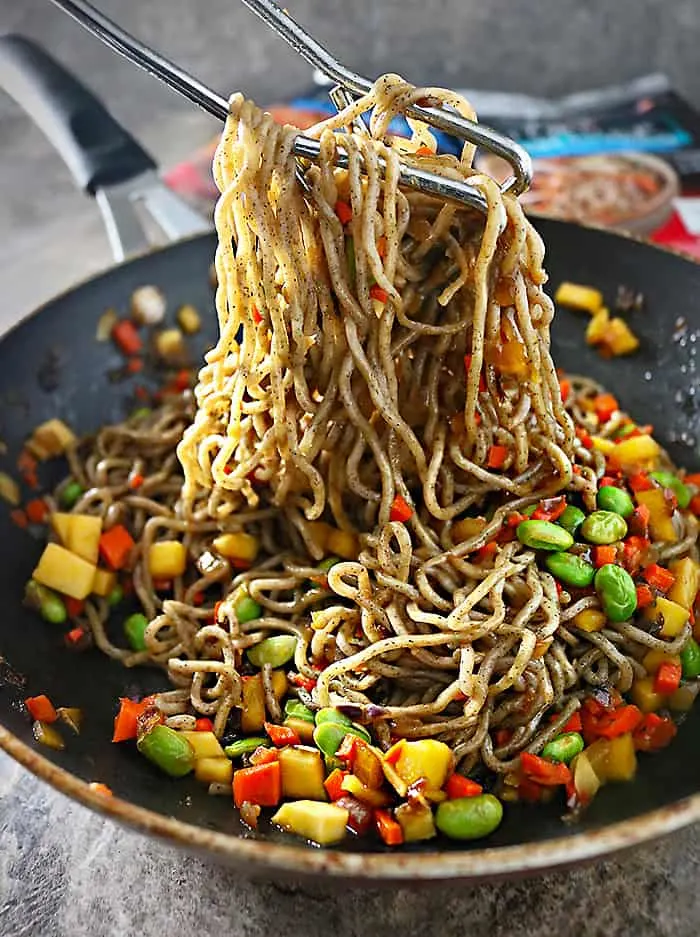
{"x":65,"y":871}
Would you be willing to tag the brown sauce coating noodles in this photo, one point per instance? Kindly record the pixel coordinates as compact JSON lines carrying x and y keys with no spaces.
{"x":403,"y":353}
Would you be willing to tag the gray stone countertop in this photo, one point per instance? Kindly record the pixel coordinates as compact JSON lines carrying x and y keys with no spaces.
{"x":66,"y":872}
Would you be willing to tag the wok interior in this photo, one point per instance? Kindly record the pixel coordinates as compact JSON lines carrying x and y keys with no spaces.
{"x":52,"y":366}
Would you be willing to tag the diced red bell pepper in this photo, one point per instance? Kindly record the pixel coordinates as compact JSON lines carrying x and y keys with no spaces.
{"x":502,"y":736}
{"x":348,"y":750}
{"x":400,"y":510}
{"x":497,"y":456}
{"x":282,"y":735}
{"x":41,"y":708}
{"x":263,"y":755}
{"x":634,"y":552}
{"x":584,"y":438}
{"x":135,"y":481}
{"x":543,"y":772}
{"x":298,"y":679}
{"x":126,"y":337}
{"x":36,"y":510}
{"x":640,"y":481}
{"x":654,"y":732}
{"x":694,"y":505}
{"x":564,"y":389}
{"x":551,"y":509}
{"x":459,"y":786}
{"x":376,"y":292}
{"x":529,"y":791}
{"x":203,"y":725}
{"x":260,"y":785}
{"x":608,"y":723}
{"x":359,"y":814}
{"x":658,"y":577}
{"x":388,"y":828}
{"x":343,"y":211}
{"x":668,"y":678}
{"x":574,"y":723}
{"x":638,"y":521}
{"x":74,"y":607}
{"x":605,"y":405}
{"x":645,"y":597}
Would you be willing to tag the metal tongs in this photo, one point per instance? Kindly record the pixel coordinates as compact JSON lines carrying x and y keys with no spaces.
{"x":348,"y":86}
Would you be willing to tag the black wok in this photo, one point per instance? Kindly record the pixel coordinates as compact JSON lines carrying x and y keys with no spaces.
{"x":50,"y":365}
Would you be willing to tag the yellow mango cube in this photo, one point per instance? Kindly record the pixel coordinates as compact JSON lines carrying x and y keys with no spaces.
{"x":51,"y":438}
{"x":65,"y":572}
{"x":104,"y":582}
{"x":652,"y":660}
{"x":590,"y":620}
{"x":253,"y":712}
{"x":467,"y":528}
{"x":578,"y":296}
{"x":660,"y":514}
{"x":214,"y":770}
{"x":237,"y":546}
{"x":644,"y":695}
{"x":622,"y":760}
{"x":685,"y":588}
{"x":79,"y":533}
{"x":672,"y":616}
{"x":342,"y":543}
{"x":620,"y":339}
{"x":204,"y":744}
{"x":636,"y":453}
{"x":322,"y":823}
{"x":416,"y":821}
{"x":597,"y":327}
{"x":425,"y":758}
{"x":601,"y":444}
{"x":167,"y":559}
{"x":303,"y":773}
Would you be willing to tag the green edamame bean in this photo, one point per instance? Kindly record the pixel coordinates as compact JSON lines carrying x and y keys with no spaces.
{"x":564,"y":747}
{"x":70,"y":495}
{"x":604,"y":527}
{"x":571,"y":519}
{"x":690,"y":660}
{"x":328,"y":736}
{"x":247,"y":609}
{"x":616,"y":500}
{"x":469,"y":817}
{"x":243,"y":747}
{"x":115,"y":596}
{"x":49,"y":605}
{"x":167,"y":749}
{"x":669,"y":480}
{"x":543,"y":535}
{"x":616,"y":590}
{"x":295,"y":709}
{"x":329,"y":563}
{"x":135,"y":631}
{"x":570,"y":569}
{"x":275,"y":651}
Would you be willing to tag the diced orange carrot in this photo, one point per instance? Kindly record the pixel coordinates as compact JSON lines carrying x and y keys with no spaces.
{"x":115,"y":546}
{"x":260,"y":785}
{"x":388,"y":828}
{"x":343,"y":211}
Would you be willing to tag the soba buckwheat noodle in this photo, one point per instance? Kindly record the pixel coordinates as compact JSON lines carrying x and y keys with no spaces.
{"x":382,"y":390}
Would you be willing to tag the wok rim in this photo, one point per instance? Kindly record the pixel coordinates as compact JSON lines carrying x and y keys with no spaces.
{"x":295,"y":860}
{"x":489,"y":863}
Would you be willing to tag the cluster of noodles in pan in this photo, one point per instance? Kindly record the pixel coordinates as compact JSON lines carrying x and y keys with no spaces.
{"x":382,"y":374}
